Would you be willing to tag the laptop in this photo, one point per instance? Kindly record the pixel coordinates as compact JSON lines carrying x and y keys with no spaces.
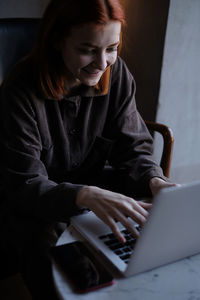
{"x":170,"y":233}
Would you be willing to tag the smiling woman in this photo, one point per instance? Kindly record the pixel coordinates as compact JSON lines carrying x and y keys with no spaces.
{"x":65,"y":18}
{"x":92,"y":49}
{"x":67,"y":110}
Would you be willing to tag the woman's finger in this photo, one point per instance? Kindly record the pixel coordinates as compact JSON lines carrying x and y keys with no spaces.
{"x":145,"y":205}
{"x":132,"y":207}
{"x":111,"y":222}
{"x":127,"y":223}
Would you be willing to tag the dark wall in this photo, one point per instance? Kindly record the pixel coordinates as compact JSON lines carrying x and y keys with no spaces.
{"x":143,"y":43}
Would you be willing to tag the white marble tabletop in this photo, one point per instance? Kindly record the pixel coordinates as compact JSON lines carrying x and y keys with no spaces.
{"x":175,"y":281}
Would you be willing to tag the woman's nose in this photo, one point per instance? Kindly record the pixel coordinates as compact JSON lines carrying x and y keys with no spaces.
{"x":101,"y":61}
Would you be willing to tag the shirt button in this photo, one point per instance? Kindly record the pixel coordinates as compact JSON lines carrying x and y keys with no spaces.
{"x":72,"y":131}
{"x":74,"y":165}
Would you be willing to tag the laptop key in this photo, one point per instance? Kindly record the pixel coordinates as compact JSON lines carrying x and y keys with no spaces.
{"x":127,"y":249}
{"x":126,"y":261}
{"x":118,"y":251}
{"x":116,"y":247}
{"x":131,"y":243}
{"x":125,"y":256}
{"x":112,"y":243}
{"x":124,"y":251}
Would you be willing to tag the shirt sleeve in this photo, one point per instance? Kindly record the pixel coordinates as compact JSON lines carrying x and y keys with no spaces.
{"x":134,"y":144}
{"x":29,"y":191}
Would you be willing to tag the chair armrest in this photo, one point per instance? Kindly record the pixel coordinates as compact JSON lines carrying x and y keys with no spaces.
{"x":168,"y":142}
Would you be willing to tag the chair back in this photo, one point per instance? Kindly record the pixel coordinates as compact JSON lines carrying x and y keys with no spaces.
{"x":17,"y":37}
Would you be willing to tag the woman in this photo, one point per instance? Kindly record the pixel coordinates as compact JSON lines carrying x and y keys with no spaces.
{"x":66,"y":111}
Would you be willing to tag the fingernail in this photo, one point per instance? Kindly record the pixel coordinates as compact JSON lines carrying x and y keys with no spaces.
{"x":122,"y":240}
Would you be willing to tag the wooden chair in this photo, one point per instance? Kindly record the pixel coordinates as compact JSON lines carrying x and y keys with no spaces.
{"x":168,"y":142}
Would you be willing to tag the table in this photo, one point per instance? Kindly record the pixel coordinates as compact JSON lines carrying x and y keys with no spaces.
{"x":175,"y":281}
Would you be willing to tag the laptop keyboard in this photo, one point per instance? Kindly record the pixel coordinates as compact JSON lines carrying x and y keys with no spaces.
{"x":125,"y":250}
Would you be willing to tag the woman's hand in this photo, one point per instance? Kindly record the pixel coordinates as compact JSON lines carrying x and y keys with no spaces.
{"x":156,"y":184}
{"x":111,"y":207}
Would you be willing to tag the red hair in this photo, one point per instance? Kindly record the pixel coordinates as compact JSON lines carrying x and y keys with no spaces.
{"x":59,"y":17}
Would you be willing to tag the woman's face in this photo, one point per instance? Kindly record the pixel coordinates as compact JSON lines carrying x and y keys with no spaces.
{"x":89,"y":50}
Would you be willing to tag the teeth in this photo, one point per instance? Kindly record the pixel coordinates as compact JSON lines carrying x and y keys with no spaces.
{"x":91,"y":72}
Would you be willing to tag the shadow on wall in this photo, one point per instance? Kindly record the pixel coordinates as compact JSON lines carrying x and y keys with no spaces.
{"x":143,"y":43}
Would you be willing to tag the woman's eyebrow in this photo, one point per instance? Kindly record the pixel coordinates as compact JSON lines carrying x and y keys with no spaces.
{"x":115,"y":44}
{"x":97,"y":46}
{"x":88,"y":45}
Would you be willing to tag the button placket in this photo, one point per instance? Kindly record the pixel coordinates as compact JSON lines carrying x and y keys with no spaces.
{"x":72,"y":109}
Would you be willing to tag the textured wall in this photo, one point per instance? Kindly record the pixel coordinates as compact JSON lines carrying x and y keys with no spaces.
{"x":179,"y":100}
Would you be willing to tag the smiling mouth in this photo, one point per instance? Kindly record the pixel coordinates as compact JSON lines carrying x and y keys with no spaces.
{"x":91,"y":73}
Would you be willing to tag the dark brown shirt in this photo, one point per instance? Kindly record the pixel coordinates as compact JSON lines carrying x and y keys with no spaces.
{"x":48,"y":146}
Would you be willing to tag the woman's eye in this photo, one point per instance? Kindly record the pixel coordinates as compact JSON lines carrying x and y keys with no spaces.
{"x":112,"y":49}
{"x":87,"y":51}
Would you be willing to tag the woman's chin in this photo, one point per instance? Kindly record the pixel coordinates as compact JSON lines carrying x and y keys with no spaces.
{"x":90,"y":79}
{"x":90,"y":82}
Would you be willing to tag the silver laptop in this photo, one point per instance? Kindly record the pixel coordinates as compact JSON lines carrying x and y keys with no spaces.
{"x":170,"y":233}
